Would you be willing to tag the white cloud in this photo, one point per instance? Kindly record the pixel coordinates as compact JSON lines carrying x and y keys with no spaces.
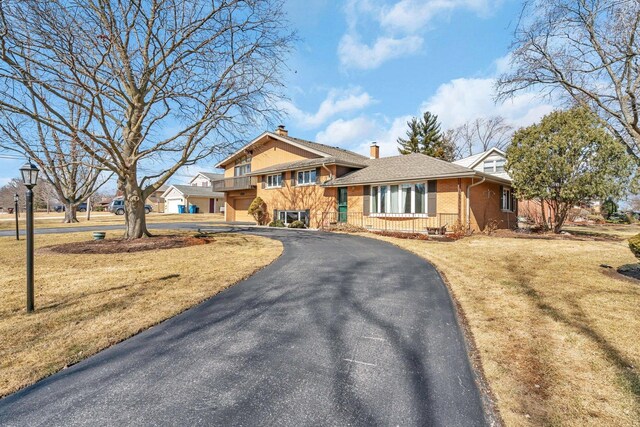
{"x":455,"y":102}
{"x":337,"y":101}
{"x":398,"y":28}
{"x":356,"y":54}
{"x":464,"y":99}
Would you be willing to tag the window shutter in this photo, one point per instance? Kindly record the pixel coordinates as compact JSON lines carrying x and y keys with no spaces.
{"x":432,"y":200}
{"x":366,"y":200}
{"x":263,"y":180}
{"x":275,"y":215}
{"x":282,"y":178}
{"x":318,"y":176}
{"x":308,"y":221}
{"x":501,"y":197}
{"x":293,"y":178}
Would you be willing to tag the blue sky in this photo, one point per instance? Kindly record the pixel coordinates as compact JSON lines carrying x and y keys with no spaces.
{"x":363,"y":68}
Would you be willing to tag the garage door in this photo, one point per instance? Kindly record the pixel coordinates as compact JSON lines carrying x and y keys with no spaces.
{"x":171,"y":205}
{"x":241,"y":206}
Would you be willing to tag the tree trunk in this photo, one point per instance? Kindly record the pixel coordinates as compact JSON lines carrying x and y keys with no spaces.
{"x":70,"y":213}
{"x":135,"y":220}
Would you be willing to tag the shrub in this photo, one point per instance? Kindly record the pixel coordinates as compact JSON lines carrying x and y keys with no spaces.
{"x":276,"y":223}
{"x":634,"y":245}
{"x":256,"y":210}
{"x":458,"y":230}
{"x":598,"y":219}
{"x":297,"y":224}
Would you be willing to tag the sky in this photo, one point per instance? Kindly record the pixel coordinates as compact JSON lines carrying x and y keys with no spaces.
{"x":363,"y":68}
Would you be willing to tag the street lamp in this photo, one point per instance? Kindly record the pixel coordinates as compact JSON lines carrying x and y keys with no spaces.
{"x":15,"y":210}
{"x":29,"y":173}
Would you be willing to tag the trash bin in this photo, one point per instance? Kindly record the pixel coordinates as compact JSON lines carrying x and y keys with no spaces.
{"x":192,"y":209}
{"x":181,"y":209}
{"x":197,"y":209}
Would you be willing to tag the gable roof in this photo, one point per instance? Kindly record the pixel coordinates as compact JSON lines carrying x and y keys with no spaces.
{"x":402,"y":168}
{"x":318,"y":149}
{"x":193,"y":191}
{"x":473,"y":161}
{"x":209,"y":175}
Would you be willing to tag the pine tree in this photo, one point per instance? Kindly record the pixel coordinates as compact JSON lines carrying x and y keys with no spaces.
{"x":424,"y":136}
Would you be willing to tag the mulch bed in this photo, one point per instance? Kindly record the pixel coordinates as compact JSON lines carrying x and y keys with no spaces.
{"x":115,"y":246}
{"x":630,"y":271}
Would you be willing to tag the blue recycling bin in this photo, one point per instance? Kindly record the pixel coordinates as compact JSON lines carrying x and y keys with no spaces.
{"x":181,"y":209}
{"x":193,"y":209}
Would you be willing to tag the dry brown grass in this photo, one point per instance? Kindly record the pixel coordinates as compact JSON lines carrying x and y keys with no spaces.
{"x":85,"y":303}
{"x":559,"y":340}
{"x":44,"y":220}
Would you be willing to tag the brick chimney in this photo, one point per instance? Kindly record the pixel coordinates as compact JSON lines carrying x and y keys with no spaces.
{"x":282,"y":131}
{"x":374,"y":151}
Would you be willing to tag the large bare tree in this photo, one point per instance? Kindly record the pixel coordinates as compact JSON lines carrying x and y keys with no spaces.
{"x":480,"y":134}
{"x":161,"y":83}
{"x":70,"y":172}
{"x":586,"y":51}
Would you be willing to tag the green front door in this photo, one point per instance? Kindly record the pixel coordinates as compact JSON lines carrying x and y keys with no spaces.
{"x":342,"y":204}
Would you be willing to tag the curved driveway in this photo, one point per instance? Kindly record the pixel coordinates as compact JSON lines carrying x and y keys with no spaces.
{"x":340,"y":330}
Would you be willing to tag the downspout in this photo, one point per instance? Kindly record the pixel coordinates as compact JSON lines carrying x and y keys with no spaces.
{"x":328,"y":170}
{"x":469,"y":200}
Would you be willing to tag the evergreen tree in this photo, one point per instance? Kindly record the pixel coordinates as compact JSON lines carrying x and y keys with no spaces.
{"x":424,"y":136}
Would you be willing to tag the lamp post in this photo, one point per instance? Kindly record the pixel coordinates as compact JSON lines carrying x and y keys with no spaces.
{"x":29,"y":173}
{"x":15,"y":210}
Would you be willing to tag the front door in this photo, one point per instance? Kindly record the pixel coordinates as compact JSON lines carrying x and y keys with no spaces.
{"x":342,"y":204}
{"x":212,"y":205}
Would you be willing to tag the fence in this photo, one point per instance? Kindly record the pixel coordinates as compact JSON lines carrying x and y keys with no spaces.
{"x":440,"y":223}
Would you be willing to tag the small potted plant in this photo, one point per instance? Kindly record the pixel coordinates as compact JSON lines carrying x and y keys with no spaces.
{"x":99,"y":235}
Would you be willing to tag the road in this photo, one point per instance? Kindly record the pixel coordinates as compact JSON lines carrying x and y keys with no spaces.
{"x":340,"y":330}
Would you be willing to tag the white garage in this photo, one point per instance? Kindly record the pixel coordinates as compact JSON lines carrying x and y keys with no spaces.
{"x":206,"y":200}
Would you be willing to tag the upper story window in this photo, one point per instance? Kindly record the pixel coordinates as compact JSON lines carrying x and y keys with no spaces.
{"x":494,"y":166}
{"x":243,"y":166}
{"x":274,"y":181}
{"x":242,"y":170}
{"x":306,"y":177}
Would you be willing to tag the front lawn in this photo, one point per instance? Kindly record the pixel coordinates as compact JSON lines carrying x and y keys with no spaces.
{"x":85,"y":303}
{"x":558,"y":336}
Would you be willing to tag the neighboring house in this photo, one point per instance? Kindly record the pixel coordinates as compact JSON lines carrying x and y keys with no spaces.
{"x":320,"y":184}
{"x":156,"y":200}
{"x":205,"y":179}
{"x":204,"y":198}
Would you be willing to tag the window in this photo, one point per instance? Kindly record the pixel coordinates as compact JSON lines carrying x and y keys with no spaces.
{"x":405,"y":202}
{"x":274,"y":181}
{"x":374,"y":199}
{"x":242,"y":170}
{"x":508,"y":200}
{"x":420,"y":198}
{"x":306,"y":177}
{"x":289,"y":216}
{"x":393,"y":199}
{"x":493,"y":166}
{"x":399,"y":199}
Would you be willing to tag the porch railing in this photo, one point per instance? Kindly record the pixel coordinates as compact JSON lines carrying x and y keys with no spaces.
{"x":441,"y":222}
{"x":236,"y":183}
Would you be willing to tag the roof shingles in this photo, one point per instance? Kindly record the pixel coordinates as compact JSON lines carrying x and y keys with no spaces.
{"x":401,"y":168}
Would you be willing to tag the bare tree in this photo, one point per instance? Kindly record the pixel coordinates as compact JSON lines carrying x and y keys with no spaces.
{"x":70,"y":172}
{"x":589,"y":49}
{"x":162,"y":83}
{"x":481,"y":134}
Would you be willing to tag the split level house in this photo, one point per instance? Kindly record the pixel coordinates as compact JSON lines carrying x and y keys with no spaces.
{"x":198,"y":193}
{"x":322,"y":185}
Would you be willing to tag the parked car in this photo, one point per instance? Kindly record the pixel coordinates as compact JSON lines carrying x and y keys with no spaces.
{"x":117,"y":207}
{"x":82,"y":207}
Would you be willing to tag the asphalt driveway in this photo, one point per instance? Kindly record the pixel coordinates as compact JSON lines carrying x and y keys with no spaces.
{"x":340,"y":330}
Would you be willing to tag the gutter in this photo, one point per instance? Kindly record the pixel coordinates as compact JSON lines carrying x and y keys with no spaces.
{"x":328,"y":170}
{"x":469,"y":200}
